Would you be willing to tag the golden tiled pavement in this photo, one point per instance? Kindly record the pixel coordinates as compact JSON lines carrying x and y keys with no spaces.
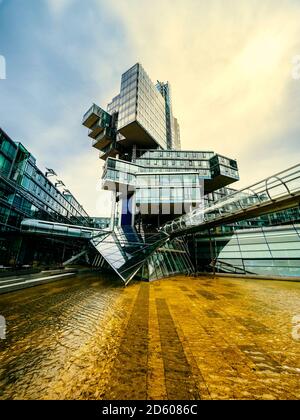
{"x":178,"y":338}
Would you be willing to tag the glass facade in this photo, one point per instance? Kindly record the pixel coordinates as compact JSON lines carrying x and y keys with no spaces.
{"x":164,"y":177}
{"x":175,"y":154}
{"x":177,"y":139}
{"x":270,"y":251}
{"x":151,"y":112}
{"x":26,"y":192}
{"x":221,"y":165}
{"x":140,"y":109}
{"x":169,"y":260}
{"x":165,"y":91}
{"x":157,"y":188}
{"x":168,"y":195}
{"x":167,"y":161}
{"x":114,"y":105}
{"x":7,"y":154}
{"x":128,"y":97}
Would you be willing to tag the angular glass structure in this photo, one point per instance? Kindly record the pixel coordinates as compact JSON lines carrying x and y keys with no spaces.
{"x":184,"y":194}
{"x":152,"y":180}
{"x":126,"y":251}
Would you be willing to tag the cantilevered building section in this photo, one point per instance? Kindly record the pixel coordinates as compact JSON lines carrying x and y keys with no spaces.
{"x":142,"y":115}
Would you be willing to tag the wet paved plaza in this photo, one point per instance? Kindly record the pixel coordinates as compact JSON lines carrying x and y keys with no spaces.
{"x":178,"y":338}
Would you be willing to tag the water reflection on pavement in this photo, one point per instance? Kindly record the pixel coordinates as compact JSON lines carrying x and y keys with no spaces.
{"x":178,"y":338}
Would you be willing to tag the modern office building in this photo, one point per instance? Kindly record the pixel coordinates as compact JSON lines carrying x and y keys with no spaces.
{"x":152,"y":180}
{"x":28,"y":192}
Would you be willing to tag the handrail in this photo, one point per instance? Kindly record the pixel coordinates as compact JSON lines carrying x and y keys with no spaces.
{"x":257,"y":195}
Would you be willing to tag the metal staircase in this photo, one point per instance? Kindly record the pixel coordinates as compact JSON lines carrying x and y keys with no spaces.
{"x":126,"y":251}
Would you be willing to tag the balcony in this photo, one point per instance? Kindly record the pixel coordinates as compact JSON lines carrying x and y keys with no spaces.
{"x":111,"y":150}
{"x":93,"y":115}
{"x":221,"y":176}
{"x":103,"y":139}
{"x":96,"y":129}
{"x":115,"y":178}
{"x":224,"y":171}
{"x":100,"y":126}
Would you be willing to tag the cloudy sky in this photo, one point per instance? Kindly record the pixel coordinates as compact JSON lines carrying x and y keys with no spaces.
{"x":229,"y":63}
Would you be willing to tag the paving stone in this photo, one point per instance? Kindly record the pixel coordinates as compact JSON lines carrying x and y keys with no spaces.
{"x":179,"y":338}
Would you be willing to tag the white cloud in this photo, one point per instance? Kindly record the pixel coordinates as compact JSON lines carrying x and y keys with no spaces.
{"x":59,"y":7}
